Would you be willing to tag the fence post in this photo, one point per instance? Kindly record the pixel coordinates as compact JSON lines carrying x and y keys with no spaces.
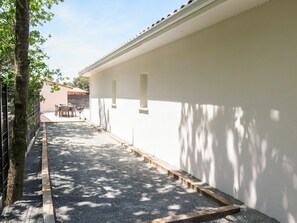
{"x":1,"y":147}
{"x":4,"y":137}
{"x":37,"y":119}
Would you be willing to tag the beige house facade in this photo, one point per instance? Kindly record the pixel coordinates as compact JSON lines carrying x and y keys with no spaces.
{"x":65,"y":94}
{"x":53,"y":98}
{"x":212,"y":90}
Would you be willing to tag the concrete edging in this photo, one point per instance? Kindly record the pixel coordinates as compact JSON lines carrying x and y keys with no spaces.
{"x":48,"y":207}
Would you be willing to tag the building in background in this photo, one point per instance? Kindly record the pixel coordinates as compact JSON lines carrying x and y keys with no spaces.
{"x":66,"y":94}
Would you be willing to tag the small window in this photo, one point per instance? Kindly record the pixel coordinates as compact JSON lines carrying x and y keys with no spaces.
{"x":114,"y":94}
{"x":143,"y":93}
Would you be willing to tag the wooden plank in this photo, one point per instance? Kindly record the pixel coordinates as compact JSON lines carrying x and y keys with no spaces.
{"x":201,"y":189}
{"x":184,"y":180}
{"x":48,"y":207}
{"x":198,"y":216}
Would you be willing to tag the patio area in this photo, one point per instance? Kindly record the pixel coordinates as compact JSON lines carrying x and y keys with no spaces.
{"x":51,"y":117}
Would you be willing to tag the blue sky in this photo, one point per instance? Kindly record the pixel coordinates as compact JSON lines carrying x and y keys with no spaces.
{"x":84,"y":31}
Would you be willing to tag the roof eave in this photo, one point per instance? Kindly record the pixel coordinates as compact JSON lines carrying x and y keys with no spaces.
{"x":134,"y":43}
{"x":188,"y":12}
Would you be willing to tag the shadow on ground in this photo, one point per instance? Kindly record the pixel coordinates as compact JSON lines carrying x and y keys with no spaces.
{"x":29,"y":208}
{"x":95,"y":180}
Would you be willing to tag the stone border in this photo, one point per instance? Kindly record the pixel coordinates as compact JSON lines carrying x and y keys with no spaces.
{"x":225,"y":209}
{"x":48,"y":207}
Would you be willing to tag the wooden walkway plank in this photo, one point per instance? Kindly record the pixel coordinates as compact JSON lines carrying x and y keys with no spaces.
{"x":184,"y":180}
{"x":48,"y":208}
{"x":226,"y":208}
{"x":198,"y":216}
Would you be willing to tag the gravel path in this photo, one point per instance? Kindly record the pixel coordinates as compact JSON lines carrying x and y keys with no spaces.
{"x":95,"y":180}
{"x":29,"y":208}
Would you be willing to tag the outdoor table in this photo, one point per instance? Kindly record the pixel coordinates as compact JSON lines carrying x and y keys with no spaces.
{"x":70,"y":109}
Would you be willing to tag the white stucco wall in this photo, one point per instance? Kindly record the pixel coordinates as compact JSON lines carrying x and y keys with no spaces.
{"x":52,"y":98}
{"x":222,"y":106}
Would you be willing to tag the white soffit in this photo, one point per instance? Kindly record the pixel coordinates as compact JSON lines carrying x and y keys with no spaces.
{"x":185,"y":22}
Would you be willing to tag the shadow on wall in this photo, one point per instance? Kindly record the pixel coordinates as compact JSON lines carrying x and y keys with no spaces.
{"x":104,"y":120}
{"x":243,"y":151}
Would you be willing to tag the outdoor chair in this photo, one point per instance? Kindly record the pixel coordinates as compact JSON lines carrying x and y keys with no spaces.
{"x":73,"y":110}
{"x":80,"y":111}
{"x":57,"y":110}
{"x":64,"y":110}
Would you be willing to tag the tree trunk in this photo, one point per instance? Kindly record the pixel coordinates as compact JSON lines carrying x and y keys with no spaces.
{"x":19,"y":141}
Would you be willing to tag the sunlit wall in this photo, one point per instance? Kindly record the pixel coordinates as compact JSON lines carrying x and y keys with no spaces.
{"x":52,"y":98}
{"x":221,"y":105}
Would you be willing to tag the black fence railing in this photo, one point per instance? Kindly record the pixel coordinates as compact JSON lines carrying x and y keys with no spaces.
{"x":33,"y":117}
{"x":6,"y":128}
{"x":5,"y":136}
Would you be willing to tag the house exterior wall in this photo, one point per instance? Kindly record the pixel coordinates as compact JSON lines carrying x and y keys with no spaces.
{"x":221,"y":106}
{"x":52,"y":98}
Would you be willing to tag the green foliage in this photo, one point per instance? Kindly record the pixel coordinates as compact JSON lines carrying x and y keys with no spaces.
{"x":39,"y":70}
{"x":81,"y":82}
{"x":7,"y":12}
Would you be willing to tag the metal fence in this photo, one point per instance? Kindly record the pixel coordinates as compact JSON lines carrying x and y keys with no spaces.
{"x":6,"y":126}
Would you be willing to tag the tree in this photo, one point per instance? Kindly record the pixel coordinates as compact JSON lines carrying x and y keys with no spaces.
{"x":39,"y":70}
{"x":23,"y":65}
{"x":81,"y":82}
{"x":19,"y":144}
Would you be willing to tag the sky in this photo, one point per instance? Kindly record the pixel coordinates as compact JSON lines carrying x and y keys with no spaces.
{"x":83,"y":31}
